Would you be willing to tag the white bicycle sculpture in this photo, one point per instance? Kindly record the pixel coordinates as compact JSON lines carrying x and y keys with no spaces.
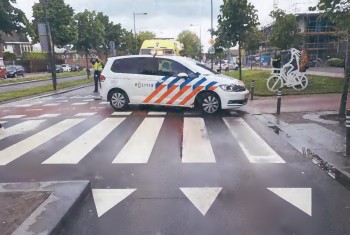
{"x":288,"y":75}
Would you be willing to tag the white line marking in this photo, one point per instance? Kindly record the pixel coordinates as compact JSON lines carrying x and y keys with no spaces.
{"x":157,"y":113}
{"x":202,"y":198}
{"x":3,"y":122}
{"x":76,"y":97}
{"x":253,"y":146}
{"x":13,"y":116}
{"x":79,"y":104}
{"x":121,"y":113}
{"x":104,"y":103}
{"x":196,"y":144}
{"x":106,"y":199}
{"x":21,"y":128}
{"x":84,"y":114}
{"x":49,"y":105}
{"x":79,"y":148}
{"x":49,"y":115}
{"x":62,"y":101}
{"x":298,"y":197}
{"x":17,"y":150}
{"x":88,"y":100}
{"x":23,"y":105}
{"x":139,"y":148}
{"x":31,"y":110}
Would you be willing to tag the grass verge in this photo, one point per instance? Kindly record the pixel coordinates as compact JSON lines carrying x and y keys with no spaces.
{"x":41,"y":89}
{"x":317,"y":84}
{"x":59,"y":75}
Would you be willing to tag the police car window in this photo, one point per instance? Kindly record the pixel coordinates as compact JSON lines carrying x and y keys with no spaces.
{"x":172,"y":68}
{"x":145,"y":66}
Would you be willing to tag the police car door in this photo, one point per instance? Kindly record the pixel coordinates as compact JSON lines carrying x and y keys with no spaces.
{"x":167,"y":90}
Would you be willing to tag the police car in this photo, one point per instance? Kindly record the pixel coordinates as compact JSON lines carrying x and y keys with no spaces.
{"x":168,"y":81}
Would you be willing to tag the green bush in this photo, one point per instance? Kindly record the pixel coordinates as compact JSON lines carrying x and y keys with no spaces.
{"x":336,"y":62}
{"x":34,"y":56}
{"x":8,"y":56}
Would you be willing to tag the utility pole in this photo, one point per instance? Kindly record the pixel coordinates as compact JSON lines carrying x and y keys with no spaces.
{"x":212,"y":66}
{"x":51,"y":50}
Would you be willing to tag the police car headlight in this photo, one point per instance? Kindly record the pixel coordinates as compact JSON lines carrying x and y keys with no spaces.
{"x":232,"y":88}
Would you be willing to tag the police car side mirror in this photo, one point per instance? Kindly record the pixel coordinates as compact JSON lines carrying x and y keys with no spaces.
{"x":182,"y":75}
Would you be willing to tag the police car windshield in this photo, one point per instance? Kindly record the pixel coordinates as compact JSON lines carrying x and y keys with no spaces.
{"x":205,"y":70}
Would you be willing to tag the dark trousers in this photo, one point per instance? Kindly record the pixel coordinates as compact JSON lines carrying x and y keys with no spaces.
{"x":97,"y":75}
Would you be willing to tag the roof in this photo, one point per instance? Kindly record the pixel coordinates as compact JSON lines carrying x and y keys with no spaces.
{"x":13,"y":37}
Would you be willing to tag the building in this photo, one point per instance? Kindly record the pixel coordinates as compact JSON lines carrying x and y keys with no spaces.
{"x":320,"y":38}
{"x":16,"y":43}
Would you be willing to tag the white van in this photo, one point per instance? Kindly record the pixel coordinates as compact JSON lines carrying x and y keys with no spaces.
{"x":169,"y":81}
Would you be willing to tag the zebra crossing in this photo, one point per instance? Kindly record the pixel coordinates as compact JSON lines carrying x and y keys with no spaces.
{"x":196,"y":146}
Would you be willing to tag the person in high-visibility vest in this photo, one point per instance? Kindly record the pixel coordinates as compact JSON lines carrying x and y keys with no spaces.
{"x":98,"y":67}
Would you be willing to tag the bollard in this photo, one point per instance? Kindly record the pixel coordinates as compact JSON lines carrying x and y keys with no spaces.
{"x":279,"y":98}
{"x":252,"y":90}
{"x":347,"y":124}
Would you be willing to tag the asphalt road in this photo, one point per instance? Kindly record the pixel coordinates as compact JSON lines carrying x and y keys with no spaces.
{"x":17,"y":87}
{"x":169,"y":170}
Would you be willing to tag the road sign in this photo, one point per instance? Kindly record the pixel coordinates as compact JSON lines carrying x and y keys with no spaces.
{"x":212,"y":41}
{"x":211,"y":50}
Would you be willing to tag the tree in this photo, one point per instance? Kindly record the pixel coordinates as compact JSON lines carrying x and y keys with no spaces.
{"x":91,"y":33}
{"x":127,"y":44}
{"x":191,"y":43}
{"x":252,"y":43}
{"x":8,"y":56}
{"x":339,"y":13}
{"x":237,"y":18}
{"x":113,"y":32}
{"x":11,"y":19}
{"x":285,"y":31}
{"x":144,"y":35}
{"x":60,"y":17}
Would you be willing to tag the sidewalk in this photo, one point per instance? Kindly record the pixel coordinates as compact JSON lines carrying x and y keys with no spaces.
{"x":309,"y":123}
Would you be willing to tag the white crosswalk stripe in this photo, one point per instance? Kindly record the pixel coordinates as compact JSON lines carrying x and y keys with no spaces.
{"x":17,"y":150}
{"x":49,"y":115}
{"x":157,"y":113}
{"x":21,"y":128}
{"x":79,"y":148}
{"x":13,"y":116}
{"x":196,"y":144}
{"x":138,"y":149}
{"x":49,"y":105}
{"x":77,"y":104}
{"x":253,"y":146}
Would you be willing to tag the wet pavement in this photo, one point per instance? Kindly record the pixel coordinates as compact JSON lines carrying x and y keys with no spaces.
{"x":161,"y":170}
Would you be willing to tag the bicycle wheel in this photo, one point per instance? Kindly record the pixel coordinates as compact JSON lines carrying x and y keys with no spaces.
{"x":301,"y":82}
{"x":274,"y":83}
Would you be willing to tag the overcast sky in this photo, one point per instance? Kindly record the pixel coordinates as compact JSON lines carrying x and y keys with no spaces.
{"x":167,"y":18}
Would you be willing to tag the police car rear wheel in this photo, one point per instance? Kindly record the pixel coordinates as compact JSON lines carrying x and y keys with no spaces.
{"x":210,"y":103}
{"x":119,"y":100}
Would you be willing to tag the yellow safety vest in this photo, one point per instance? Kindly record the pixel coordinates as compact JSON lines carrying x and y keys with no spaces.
{"x":98,"y":66}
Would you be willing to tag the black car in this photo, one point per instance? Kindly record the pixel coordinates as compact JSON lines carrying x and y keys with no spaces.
{"x":15,"y":71}
{"x":74,"y":68}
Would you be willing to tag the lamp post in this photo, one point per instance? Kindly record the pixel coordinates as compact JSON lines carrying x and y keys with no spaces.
{"x":135,"y":14}
{"x":50,"y":47}
{"x":200,"y":38}
{"x":212,"y":62}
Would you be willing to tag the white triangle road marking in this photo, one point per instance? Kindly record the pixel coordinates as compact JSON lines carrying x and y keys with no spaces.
{"x":106,"y":199}
{"x":298,"y":197}
{"x":202,"y":198}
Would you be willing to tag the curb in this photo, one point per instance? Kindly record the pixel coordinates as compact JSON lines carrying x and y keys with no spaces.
{"x":34,"y":81}
{"x":335,"y":172}
{"x":48,"y":218}
{"x":61,"y":91}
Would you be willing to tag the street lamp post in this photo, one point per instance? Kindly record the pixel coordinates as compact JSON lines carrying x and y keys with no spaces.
{"x":50,"y":46}
{"x":135,"y":14}
{"x":200,"y":37}
{"x":212,"y":62}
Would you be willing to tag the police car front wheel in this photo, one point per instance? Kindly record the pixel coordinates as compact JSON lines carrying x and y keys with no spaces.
{"x":209,"y":103}
{"x":119,"y":100}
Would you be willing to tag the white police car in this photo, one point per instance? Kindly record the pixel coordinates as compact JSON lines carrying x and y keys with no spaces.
{"x":169,"y":81}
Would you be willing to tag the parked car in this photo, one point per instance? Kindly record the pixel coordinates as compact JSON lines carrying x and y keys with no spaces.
{"x":226,"y":66}
{"x":14,"y":71}
{"x":66,"y":67}
{"x":75,"y":68}
{"x":3,"y":73}
{"x":59,"y":69}
{"x":169,"y":81}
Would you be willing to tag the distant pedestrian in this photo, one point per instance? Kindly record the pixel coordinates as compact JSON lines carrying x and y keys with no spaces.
{"x":98,"y":67}
{"x":276,"y":62}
